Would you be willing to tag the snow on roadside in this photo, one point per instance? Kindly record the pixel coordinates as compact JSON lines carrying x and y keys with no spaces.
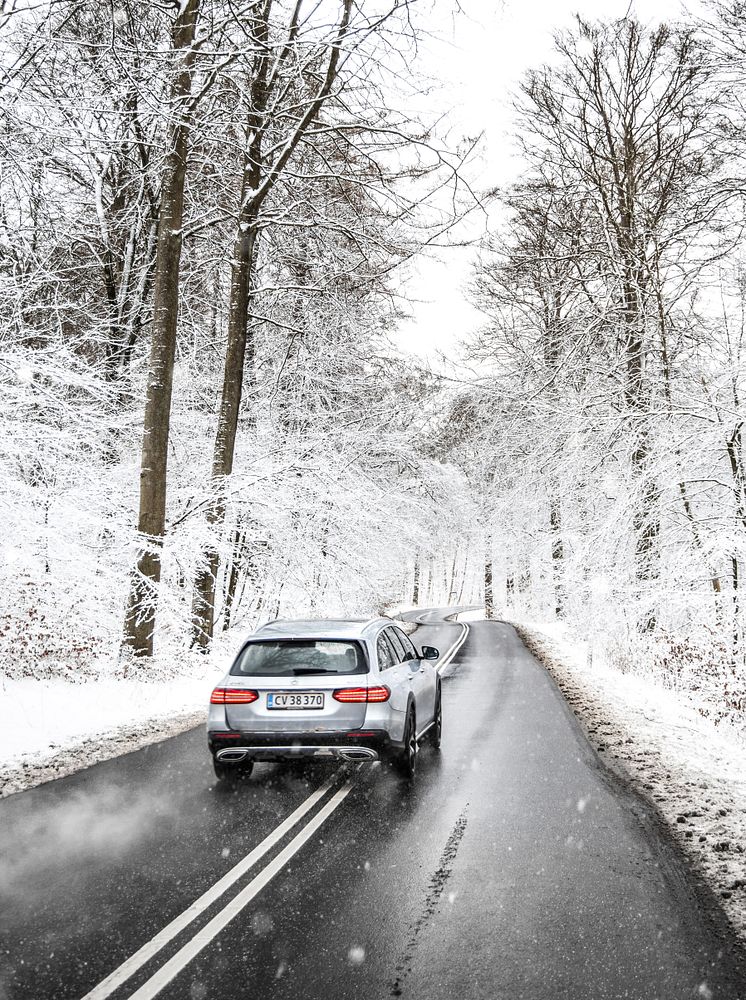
{"x":51,"y":727}
{"x":397,"y":610}
{"x":692,"y":771}
{"x":474,"y":615}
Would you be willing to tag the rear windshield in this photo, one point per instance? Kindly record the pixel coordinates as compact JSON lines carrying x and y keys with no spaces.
{"x":300,"y":657}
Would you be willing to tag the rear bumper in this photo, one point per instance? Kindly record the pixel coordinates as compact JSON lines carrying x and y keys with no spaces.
{"x":233,"y":747}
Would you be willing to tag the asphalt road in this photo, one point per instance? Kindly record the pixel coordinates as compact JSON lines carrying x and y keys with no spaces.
{"x":516,"y":867}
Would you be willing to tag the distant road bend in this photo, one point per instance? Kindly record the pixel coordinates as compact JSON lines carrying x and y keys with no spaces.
{"x":516,"y":867}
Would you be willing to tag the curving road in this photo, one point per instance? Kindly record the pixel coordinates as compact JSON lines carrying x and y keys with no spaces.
{"x":515,"y":868}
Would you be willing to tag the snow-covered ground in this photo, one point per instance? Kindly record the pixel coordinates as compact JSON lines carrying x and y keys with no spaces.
{"x":475,"y":615}
{"x":52,"y":727}
{"x":397,"y":610}
{"x":692,"y":770}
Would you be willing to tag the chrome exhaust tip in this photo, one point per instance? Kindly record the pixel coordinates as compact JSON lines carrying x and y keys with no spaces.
{"x":231,"y":755}
{"x":358,"y":753}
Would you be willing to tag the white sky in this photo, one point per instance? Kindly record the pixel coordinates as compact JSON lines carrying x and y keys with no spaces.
{"x":482,"y":55}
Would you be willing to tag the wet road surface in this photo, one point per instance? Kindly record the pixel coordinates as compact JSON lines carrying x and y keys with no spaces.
{"x":514,"y":868}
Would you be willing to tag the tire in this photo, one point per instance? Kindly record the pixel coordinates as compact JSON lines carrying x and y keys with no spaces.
{"x":405,"y":762}
{"x":436,"y":730}
{"x":231,"y":774}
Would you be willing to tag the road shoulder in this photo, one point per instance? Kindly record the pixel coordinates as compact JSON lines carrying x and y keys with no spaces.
{"x":687,"y":773}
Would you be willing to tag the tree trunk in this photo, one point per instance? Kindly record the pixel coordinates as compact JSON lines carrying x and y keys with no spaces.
{"x":645,"y":518}
{"x":416,"y":585}
{"x":452,"y":581}
{"x":231,"y":580}
{"x":244,"y":254}
{"x":464,"y":574}
{"x":682,"y":487}
{"x":735,"y":457}
{"x":736,"y":602}
{"x":489,"y":602}
{"x":257,"y":181}
{"x":558,"y":550}
{"x":429,"y":584}
{"x":141,"y":606}
{"x":510,"y":590}
{"x":203,"y":602}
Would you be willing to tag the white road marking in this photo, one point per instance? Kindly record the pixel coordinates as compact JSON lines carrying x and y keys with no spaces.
{"x":128,"y":968}
{"x":203,"y":937}
{"x":449,"y":655}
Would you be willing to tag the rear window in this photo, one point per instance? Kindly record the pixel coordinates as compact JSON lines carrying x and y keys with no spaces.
{"x":299,"y":658}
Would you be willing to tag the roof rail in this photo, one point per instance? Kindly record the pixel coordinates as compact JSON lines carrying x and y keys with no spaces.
{"x":364,"y":624}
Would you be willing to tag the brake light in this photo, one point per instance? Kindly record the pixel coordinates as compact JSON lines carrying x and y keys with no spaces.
{"x":358,"y":695}
{"x":380,"y":693}
{"x":233,"y":696}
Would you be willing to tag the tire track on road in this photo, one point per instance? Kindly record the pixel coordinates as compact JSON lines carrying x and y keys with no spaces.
{"x":436,"y":885}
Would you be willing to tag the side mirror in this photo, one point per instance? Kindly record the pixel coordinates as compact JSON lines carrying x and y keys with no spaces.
{"x":430,"y":653}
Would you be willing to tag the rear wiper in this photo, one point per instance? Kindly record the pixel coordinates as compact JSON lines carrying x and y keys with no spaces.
{"x":299,"y":671}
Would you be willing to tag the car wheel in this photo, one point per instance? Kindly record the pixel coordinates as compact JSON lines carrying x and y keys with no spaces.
{"x":406,"y":759}
{"x":436,"y":729}
{"x":229,"y":774}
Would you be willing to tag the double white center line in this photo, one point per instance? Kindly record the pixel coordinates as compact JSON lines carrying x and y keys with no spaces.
{"x":450,"y":653}
{"x":185,"y":954}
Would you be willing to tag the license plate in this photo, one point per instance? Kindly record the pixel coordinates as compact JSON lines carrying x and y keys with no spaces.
{"x":298,"y":699}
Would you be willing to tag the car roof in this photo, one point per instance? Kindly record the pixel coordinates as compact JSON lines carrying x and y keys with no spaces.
{"x":319,"y":628}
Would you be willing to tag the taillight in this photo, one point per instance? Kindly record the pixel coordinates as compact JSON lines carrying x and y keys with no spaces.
{"x":357,"y":695}
{"x":233,"y":696}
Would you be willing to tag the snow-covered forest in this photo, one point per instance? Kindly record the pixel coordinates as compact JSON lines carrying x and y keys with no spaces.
{"x":208,"y":211}
{"x":608,"y":413}
{"x":205,"y":211}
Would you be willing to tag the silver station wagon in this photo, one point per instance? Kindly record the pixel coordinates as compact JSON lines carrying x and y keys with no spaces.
{"x":356,"y":690}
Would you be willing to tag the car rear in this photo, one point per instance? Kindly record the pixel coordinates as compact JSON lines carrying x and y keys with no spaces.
{"x":297,"y":696}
